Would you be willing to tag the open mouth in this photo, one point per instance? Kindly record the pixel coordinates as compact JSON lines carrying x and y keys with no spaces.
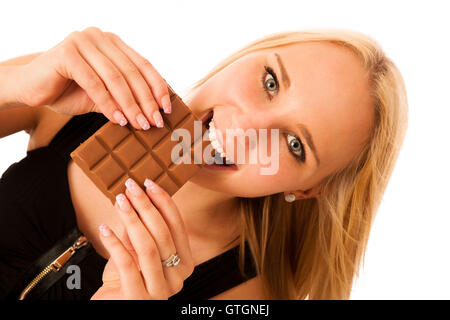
{"x":220,"y":157}
{"x":207,"y":119}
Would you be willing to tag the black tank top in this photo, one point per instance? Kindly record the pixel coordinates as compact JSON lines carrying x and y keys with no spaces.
{"x":36,"y":212}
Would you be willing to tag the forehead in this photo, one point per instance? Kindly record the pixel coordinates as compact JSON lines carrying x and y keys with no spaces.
{"x":336,"y":68}
{"x":330,"y":94}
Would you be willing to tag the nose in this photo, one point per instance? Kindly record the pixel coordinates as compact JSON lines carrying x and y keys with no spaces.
{"x":250,"y":119}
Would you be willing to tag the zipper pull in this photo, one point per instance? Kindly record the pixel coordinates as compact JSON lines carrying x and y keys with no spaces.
{"x":59,"y":262}
{"x":55,"y":266}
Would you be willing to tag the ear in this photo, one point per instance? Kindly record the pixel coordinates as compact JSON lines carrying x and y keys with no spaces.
{"x":305,"y":194}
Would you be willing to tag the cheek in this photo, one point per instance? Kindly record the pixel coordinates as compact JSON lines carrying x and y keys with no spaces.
{"x":239,"y":86}
{"x":281,"y":180}
{"x":273,"y":175}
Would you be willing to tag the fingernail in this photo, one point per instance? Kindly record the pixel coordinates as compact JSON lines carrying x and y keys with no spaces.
{"x":142,"y":121}
{"x":133,"y":187}
{"x":158,"y":119}
{"x":150,"y":185}
{"x":123,"y":202}
{"x":167,"y":106}
{"x":106,"y":232}
{"x":120,"y":118}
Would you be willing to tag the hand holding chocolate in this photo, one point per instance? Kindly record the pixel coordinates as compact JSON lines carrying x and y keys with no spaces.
{"x":114,"y":153}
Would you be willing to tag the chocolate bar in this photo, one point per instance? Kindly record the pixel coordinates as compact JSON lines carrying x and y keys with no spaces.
{"x":114,"y":153}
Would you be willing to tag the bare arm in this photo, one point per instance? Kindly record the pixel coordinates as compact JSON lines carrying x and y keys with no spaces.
{"x":20,"y":60}
{"x":15,"y":117}
{"x":7,"y":79}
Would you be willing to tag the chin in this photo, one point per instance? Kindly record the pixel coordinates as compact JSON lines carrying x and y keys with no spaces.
{"x":227,"y":186}
{"x":205,"y":179}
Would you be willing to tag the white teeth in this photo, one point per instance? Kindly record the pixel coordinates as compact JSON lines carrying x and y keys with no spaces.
{"x":212,"y":134}
{"x":214,"y":142}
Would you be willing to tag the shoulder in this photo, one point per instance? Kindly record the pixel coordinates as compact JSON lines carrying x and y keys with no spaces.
{"x":14,"y":120}
{"x":48,"y":123}
{"x":252,"y":289}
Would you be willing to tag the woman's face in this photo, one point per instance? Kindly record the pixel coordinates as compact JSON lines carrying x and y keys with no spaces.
{"x":318,"y":99}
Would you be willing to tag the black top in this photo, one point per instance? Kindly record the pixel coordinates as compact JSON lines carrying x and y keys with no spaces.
{"x":36,"y":212}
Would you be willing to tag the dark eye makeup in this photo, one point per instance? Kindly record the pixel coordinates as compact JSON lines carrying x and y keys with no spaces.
{"x":268,"y":70}
{"x":294,"y":141}
{"x":296,"y":146}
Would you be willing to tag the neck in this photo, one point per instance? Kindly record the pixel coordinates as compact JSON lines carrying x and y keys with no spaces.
{"x":208,"y":215}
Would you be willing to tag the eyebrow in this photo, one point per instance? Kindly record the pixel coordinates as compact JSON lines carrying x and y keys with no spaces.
{"x":284,"y":75}
{"x":303,"y":129}
{"x":305,"y":132}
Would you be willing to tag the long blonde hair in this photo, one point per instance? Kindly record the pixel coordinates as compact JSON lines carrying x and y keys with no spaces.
{"x":313,"y":248}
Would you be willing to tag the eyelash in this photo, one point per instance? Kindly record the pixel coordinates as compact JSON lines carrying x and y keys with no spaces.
{"x":269,"y":70}
{"x":301,"y":157}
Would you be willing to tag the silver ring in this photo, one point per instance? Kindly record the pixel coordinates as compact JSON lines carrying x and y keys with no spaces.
{"x":172,"y":261}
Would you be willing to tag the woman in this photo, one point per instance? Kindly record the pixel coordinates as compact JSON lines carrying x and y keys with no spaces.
{"x":341,"y":108}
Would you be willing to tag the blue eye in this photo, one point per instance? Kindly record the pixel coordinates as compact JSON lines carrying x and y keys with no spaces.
{"x":295,"y":145}
{"x":269,"y":82}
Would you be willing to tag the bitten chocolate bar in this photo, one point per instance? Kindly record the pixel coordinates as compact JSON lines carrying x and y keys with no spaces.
{"x":114,"y":153}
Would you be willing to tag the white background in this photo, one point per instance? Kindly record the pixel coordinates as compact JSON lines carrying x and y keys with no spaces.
{"x":408,"y":251}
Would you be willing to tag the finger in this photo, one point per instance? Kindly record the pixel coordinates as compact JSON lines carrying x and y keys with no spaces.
{"x":169,"y":212}
{"x":130,"y":278}
{"x":73,"y":66}
{"x":147,"y":99}
{"x":126,"y":242}
{"x":111,"y":76}
{"x":151,"y":219}
{"x":146,"y":249}
{"x":157,"y":84}
{"x":131,"y":73}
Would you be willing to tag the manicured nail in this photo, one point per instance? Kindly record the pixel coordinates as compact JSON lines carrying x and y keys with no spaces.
{"x":151,"y":185}
{"x":158,"y":119}
{"x":142,"y":121}
{"x":123,"y":202}
{"x":120,"y":118}
{"x":133,"y":187}
{"x":106,"y":232}
{"x":167,"y":106}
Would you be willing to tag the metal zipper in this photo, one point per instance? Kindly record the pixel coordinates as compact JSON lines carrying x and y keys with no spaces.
{"x":55,"y":266}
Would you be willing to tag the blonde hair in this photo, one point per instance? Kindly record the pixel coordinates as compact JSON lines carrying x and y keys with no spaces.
{"x":313,"y":248}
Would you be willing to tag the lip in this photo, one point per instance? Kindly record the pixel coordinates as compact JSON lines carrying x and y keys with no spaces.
{"x":208,"y":116}
{"x":221,"y":167}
